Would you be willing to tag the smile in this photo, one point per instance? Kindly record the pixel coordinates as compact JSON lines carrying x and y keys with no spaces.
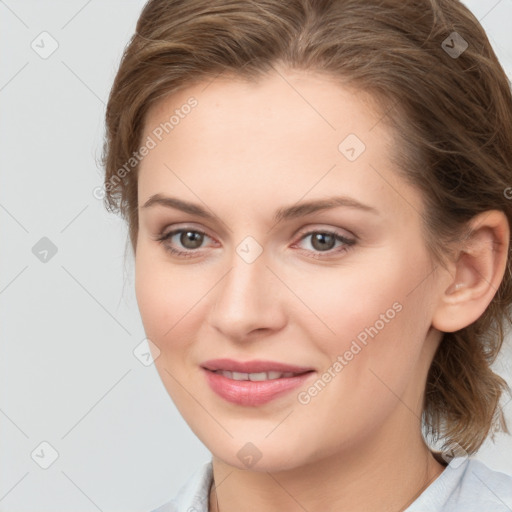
{"x":253,"y":383}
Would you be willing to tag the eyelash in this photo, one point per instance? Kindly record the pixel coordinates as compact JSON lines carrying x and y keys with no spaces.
{"x":347,"y":243}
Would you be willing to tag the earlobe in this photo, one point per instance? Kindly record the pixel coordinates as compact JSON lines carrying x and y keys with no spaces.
{"x":477,"y":272}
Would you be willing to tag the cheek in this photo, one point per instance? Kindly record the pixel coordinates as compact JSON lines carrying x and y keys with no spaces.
{"x":165,"y":295}
{"x":350,"y":300}
{"x":173,"y":302}
{"x":376,"y":315}
{"x":374,"y":356}
{"x":169,"y":301}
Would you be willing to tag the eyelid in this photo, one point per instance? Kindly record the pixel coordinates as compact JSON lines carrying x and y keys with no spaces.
{"x":344,"y":233}
{"x":177,"y":228}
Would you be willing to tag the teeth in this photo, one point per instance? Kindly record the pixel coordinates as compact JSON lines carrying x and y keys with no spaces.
{"x":261,"y":376}
{"x":255,"y":376}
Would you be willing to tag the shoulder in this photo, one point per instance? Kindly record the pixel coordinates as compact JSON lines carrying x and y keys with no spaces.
{"x":193,"y":495}
{"x":467,"y":485}
{"x":485,"y":487}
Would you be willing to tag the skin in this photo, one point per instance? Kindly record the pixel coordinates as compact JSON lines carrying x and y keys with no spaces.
{"x":244,"y":151}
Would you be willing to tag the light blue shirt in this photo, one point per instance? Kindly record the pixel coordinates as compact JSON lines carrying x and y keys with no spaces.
{"x":465,"y":485}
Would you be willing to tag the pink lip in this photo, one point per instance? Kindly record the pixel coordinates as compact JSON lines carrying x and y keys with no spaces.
{"x":252,"y":393}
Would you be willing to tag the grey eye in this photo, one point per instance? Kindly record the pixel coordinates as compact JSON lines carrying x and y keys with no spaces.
{"x":191,"y":239}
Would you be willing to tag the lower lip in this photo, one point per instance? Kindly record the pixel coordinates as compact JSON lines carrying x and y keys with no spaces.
{"x":252,"y":393}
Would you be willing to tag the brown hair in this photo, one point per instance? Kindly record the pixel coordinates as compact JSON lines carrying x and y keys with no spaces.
{"x":450,"y":106}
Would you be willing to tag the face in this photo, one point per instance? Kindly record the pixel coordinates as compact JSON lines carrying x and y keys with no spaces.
{"x":324,"y":313}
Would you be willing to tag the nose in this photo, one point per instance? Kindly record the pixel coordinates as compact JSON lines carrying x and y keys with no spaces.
{"x":249,"y":299}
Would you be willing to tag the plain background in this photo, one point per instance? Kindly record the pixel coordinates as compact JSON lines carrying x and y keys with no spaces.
{"x":70,"y":324}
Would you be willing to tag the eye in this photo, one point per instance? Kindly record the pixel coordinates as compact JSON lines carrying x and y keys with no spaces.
{"x":190,"y":239}
{"x":324,"y":241}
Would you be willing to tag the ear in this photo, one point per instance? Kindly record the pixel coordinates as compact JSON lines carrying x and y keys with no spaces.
{"x":475,"y":273}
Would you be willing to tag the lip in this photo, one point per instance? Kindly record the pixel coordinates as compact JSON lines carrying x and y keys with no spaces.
{"x":254,"y":366}
{"x":252,"y":393}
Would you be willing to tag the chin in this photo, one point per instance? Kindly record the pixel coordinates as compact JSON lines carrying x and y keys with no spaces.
{"x":260,"y":456}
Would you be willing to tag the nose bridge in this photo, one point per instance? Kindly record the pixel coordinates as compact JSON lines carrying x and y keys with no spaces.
{"x":247,"y":298}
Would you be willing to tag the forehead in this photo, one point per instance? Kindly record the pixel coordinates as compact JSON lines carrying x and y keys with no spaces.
{"x":291,"y":132}
{"x":304,"y":101}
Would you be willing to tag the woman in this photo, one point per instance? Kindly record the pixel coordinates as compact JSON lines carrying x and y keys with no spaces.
{"x":316,"y":193}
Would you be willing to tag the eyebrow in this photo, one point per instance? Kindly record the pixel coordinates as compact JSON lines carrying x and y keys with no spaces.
{"x":284,"y":213}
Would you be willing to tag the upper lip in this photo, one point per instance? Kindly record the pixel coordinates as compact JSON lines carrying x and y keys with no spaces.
{"x":254,"y":366}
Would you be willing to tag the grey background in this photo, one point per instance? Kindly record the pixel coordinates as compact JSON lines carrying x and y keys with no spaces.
{"x":69,"y":325}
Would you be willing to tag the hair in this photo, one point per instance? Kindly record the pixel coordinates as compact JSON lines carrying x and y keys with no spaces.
{"x":451,"y":115}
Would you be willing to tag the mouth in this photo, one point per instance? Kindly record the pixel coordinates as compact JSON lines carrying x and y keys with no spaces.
{"x":257,"y":376}
{"x":253,"y":383}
